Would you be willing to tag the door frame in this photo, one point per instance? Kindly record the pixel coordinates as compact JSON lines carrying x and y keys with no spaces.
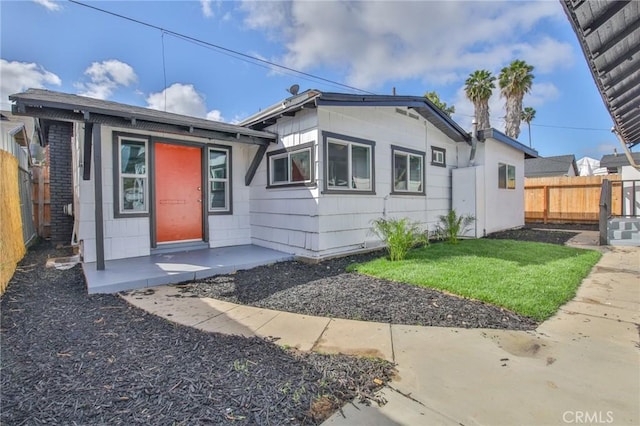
{"x":152,"y":188}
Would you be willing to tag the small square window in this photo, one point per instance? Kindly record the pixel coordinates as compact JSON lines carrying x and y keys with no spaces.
{"x":438,"y":157}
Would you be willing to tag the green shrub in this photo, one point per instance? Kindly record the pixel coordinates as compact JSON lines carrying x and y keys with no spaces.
{"x":400,"y":235}
{"x":451,"y":226}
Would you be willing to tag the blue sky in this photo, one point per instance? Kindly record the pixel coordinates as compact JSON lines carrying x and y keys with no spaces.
{"x":414,"y":46}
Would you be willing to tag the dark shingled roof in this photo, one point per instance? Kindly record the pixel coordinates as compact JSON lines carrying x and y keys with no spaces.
{"x":550,"y":166}
{"x":313,"y":98}
{"x":618,"y":160}
{"x":52,"y":105}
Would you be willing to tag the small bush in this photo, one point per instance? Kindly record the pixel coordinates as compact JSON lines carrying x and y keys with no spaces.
{"x":400,"y":236}
{"x":451,"y":226}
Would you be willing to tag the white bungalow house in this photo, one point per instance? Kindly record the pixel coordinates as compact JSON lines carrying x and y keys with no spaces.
{"x":343,"y":160}
{"x":305,"y":176}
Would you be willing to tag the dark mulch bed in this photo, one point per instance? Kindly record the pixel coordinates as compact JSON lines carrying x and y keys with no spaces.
{"x":70,"y":358}
{"x":327,"y":290}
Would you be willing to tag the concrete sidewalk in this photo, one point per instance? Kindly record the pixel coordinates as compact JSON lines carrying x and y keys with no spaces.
{"x":582,"y":366}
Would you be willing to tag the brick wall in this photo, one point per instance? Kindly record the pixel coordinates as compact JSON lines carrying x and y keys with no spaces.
{"x":61,"y":178}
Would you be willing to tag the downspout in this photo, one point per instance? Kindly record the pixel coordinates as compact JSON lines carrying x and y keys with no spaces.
{"x":474,"y":142}
{"x":625,"y":148}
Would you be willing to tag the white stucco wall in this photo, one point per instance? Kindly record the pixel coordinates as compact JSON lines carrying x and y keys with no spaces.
{"x":131,"y":237}
{"x":630,"y":173}
{"x":504,"y":207}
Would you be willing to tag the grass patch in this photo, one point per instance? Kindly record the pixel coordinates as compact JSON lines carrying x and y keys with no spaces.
{"x":531,"y":279}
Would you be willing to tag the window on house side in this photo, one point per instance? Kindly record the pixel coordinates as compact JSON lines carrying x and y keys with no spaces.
{"x":438,"y":157}
{"x":290,"y":167}
{"x":506,"y":176}
{"x":218,"y":180}
{"x":407,"y":171}
{"x":132,"y":182}
{"x":348,"y":166}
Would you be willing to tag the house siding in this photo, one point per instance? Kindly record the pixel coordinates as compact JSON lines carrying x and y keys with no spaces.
{"x":286,"y":218}
{"x":60,"y":136}
{"x":307,"y":222}
{"x":131,"y":236}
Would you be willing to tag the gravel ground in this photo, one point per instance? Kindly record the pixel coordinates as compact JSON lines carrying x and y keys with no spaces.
{"x":327,"y":290}
{"x":73,"y":359}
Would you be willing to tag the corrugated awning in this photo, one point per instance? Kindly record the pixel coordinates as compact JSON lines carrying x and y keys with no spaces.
{"x":609,"y":33}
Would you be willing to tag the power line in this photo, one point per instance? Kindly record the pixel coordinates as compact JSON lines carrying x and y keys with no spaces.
{"x":220,"y":48}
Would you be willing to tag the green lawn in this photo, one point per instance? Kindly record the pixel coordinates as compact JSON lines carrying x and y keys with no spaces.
{"x":532,"y":279}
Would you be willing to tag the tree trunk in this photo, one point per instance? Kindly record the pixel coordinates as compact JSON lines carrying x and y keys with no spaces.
{"x":482,"y":114}
{"x":514,"y":115}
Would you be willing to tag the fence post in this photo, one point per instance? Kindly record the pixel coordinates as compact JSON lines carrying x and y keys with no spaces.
{"x":545,"y":210}
{"x":605,"y":210}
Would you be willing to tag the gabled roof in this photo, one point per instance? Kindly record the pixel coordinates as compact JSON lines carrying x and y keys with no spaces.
{"x":550,"y":166}
{"x":609,"y":33}
{"x":501,"y":137}
{"x":618,"y":160}
{"x":315,"y":98}
{"x":51,"y":105}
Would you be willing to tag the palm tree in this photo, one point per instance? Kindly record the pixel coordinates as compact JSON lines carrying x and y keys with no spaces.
{"x":528,"y":114}
{"x":435,"y":99}
{"x":515,"y":80}
{"x":478,"y":88}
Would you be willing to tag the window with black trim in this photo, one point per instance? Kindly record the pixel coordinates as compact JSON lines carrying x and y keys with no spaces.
{"x":291,"y":166}
{"x":218,"y":177}
{"x":506,"y":176}
{"x":132,"y":166}
{"x":438,"y":157}
{"x":408,"y":170}
{"x":349,"y":163}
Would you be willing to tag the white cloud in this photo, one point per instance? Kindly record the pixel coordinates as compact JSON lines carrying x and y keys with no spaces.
{"x":18,"y":76}
{"x":206,"y":8}
{"x":375,"y":42}
{"x":49,"y":4}
{"x":105,"y":77}
{"x":540,"y":94}
{"x":182,"y":99}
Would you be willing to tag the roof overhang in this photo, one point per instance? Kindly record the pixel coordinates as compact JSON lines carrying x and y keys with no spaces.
{"x":315,"y":98}
{"x":501,"y":137}
{"x":609,"y":34}
{"x":48,"y":105}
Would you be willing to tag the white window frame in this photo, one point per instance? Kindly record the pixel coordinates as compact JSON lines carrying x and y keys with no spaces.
{"x":507,"y":183}
{"x":407,"y":153}
{"x":226,"y":180}
{"x":287,"y":155}
{"x":143,"y":176}
{"x":438,"y":156}
{"x":349,"y":144}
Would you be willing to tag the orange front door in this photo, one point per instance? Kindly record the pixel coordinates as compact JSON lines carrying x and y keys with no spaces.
{"x":178,"y":189}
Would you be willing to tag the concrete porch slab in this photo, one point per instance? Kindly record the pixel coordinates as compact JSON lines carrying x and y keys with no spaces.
{"x":171,"y":268}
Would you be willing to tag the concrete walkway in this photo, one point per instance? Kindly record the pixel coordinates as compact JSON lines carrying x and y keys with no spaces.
{"x":582,"y":366}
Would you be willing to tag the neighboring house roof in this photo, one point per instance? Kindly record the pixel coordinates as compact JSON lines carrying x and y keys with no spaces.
{"x":609,"y":34}
{"x":618,"y":160}
{"x":550,"y":166}
{"x":51,"y":105}
{"x":314,"y":98}
{"x":501,"y":137}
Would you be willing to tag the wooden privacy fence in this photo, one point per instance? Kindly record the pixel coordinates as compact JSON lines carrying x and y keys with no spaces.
{"x":565,"y":199}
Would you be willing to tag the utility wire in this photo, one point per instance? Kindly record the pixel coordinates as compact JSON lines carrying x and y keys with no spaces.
{"x":265,"y":63}
{"x":221,"y":48}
